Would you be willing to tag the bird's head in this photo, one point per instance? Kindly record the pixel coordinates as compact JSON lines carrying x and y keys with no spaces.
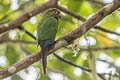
{"x":52,"y":13}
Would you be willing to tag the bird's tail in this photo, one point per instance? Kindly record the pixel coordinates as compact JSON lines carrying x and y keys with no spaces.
{"x":44,"y":60}
{"x":44,"y":49}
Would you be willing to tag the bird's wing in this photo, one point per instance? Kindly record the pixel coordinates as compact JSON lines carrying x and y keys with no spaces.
{"x":47,"y":29}
{"x":39,"y":28}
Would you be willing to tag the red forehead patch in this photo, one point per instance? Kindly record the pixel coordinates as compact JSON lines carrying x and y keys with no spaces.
{"x":57,"y":12}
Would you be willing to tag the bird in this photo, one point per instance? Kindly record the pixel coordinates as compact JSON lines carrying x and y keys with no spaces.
{"x":46,"y":32}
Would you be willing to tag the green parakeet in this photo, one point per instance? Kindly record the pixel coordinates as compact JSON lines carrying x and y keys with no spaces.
{"x":46,"y":32}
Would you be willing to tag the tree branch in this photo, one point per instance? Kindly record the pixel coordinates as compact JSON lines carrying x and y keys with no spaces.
{"x":81,"y":49}
{"x":16,"y":41}
{"x":21,"y":7}
{"x":13,"y":24}
{"x":63,"y":41}
{"x":77,"y":16}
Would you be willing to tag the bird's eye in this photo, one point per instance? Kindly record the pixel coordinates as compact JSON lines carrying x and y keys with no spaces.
{"x":57,"y":12}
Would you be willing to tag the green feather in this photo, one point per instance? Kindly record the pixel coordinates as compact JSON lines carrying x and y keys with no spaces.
{"x":46,"y":32}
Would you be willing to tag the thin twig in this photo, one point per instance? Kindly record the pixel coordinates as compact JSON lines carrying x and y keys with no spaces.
{"x":97,"y":2}
{"x":106,"y":30}
{"x":75,"y":65}
{"x":102,"y":48}
{"x":91,"y":60}
{"x":115,"y":75}
{"x":20,"y":27}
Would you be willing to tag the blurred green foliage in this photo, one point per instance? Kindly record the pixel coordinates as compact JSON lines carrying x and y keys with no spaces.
{"x":14,"y":53}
